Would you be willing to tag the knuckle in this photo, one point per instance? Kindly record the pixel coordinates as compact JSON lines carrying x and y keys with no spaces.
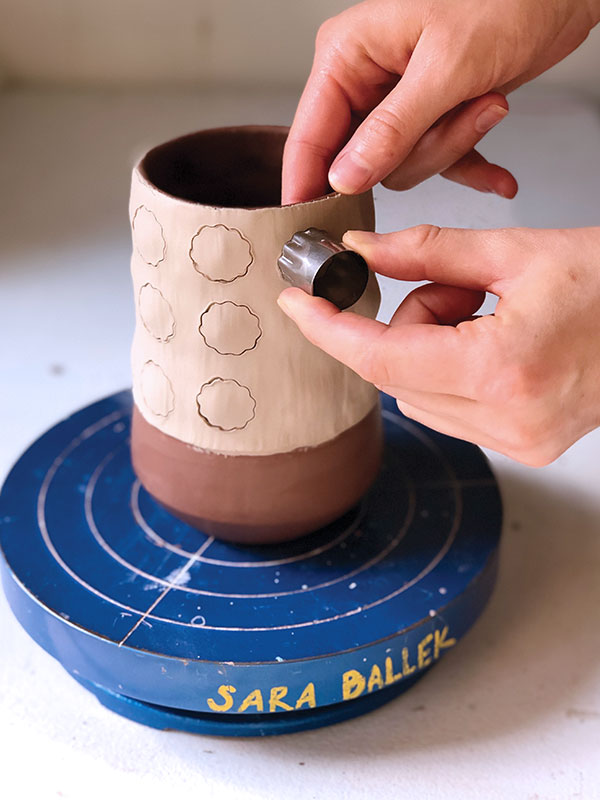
{"x":523,"y":436}
{"x":508,"y":376}
{"x":512,"y":371}
{"x":532,"y":438}
{"x":518,"y":383}
{"x":426,"y":236}
{"x":371,"y":366}
{"x":317,"y":149}
{"x":527,"y":418}
{"x":480,"y":343}
{"x":456,"y":150}
{"x":406,"y":410}
{"x":398,"y":182}
{"x":323,"y":32}
{"x":387,"y":128}
{"x":540,"y":458}
{"x":366,"y":367}
{"x":539,"y":455}
{"x":327,"y":31}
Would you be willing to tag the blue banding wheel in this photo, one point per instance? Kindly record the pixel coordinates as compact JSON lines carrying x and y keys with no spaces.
{"x":175,"y":629}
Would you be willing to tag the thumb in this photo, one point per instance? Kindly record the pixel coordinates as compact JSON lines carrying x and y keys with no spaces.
{"x":473,"y":259}
{"x":386,"y":355}
{"x":388,"y":134}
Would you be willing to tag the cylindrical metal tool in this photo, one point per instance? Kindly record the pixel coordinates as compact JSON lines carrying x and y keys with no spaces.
{"x":323,"y":267}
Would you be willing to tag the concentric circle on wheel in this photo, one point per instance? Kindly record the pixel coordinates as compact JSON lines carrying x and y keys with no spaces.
{"x":139,"y":606}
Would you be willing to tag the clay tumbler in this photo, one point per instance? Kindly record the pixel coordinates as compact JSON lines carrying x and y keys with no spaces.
{"x":241,"y":427}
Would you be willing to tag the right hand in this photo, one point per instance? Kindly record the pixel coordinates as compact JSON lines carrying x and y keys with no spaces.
{"x":403,"y":89}
{"x":524,"y":381}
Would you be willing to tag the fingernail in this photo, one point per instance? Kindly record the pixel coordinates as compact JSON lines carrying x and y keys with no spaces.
{"x":501,"y":192}
{"x":282,"y":301}
{"x":358,"y":239}
{"x":491,"y":116}
{"x":489,"y":189}
{"x":286,"y":300}
{"x":350,"y":173}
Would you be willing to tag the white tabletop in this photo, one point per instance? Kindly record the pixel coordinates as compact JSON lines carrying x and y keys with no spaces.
{"x":514,"y":710}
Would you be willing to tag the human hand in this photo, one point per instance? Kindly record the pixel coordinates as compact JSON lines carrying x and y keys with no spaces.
{"x":524,"y":381}
{"x":457,"y":59}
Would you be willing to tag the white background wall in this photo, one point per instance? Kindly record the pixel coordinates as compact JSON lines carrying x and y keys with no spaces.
{"x":119,"y":42}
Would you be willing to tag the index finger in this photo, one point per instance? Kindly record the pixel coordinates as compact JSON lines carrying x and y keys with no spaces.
{"x":319,"y":130}
{"x":420,"y":357}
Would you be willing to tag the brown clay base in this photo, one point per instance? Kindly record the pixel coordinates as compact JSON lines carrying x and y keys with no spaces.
{"x":258,"y":499}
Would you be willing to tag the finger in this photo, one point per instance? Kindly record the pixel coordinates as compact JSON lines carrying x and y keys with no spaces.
{"x":447,"y":413}
{"x":449,"y":140}
{"x":451,"y":427}
{"x":476,"y":171}
{"x":453,"y":256}
{"x":440,"y":403}
{"x":476,"y":423}
{"x":386,"y":137}
{"x":430,"y":358}
{"x":345,"y":83}
{"x":318,"y":131}
{"x":438,"y":305}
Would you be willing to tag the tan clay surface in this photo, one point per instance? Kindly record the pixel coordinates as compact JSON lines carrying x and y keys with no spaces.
{"x":216,"y":363}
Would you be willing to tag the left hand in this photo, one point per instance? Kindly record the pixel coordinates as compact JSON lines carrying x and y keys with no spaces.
{"x":403,"y":89}
{"x":524,"y":381}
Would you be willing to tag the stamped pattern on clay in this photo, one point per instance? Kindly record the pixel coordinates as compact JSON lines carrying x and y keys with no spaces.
{"x":156,"y":313}
{"x":230,"y":328}
{"x":157,"y":390}
{"x":226,"y":404}
{"x":148,"y":236}
{"x":221,"y":254}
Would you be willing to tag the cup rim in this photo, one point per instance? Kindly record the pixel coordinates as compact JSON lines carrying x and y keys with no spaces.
{"x":141,"y":172}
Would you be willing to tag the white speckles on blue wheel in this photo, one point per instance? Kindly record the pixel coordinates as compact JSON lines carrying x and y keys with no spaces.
{"x":157,"y":618}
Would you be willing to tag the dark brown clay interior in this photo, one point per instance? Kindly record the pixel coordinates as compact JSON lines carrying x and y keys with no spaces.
{"x":234,"y":167}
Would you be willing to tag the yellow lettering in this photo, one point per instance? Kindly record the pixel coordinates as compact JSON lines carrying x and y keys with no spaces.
{"x":424,"y":652}
{"x":440,"y":642}
{"x":253,"y":699}
{"x":389,"y":672}
{"x":375,"y":679}
{"x":277,"y":692}
{"x":353,"y":684}
{"x":308,"y":697}
{"x":225,"y":692}
{"x":407,"y":669}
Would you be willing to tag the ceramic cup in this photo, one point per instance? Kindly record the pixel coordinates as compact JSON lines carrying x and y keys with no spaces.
{"x":241,"y":427}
